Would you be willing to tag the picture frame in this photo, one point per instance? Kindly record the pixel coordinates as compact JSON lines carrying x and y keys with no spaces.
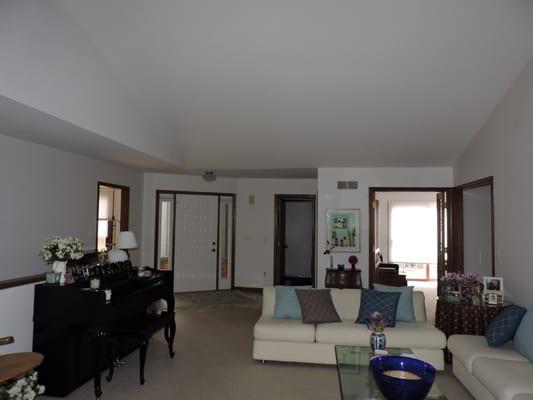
{"x":343,"y":230}
{"x":492,"y":290}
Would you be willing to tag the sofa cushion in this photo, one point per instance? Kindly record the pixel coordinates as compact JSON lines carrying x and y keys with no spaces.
{"x":468,"y":348}
{"x":283,"y":330}
{"x":317,"y":306}
{"x":504,"y":379}
{"x":384,"y":303}
{"x":523,"y":339}
{"x":405,"y":311}
{"x":287,"y":305}
{"x":503,"y":327}
{"x":404,"y":334}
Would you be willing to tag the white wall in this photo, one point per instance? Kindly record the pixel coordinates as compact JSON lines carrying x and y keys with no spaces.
{"x":49,"y":64}
{"x":503,"y":149}
{"x":384,"y":199}
{"x":254,"y":247}
{"x":254,"y":258}
{"x":47,"y":192}
{"x":477,"y":230}
{"x":329,"y":197}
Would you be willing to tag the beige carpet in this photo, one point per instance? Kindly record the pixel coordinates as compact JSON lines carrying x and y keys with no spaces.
{"x":213,"y":361}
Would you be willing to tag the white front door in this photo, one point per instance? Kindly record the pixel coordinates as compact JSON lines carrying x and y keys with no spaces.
{"x":195,"y":243}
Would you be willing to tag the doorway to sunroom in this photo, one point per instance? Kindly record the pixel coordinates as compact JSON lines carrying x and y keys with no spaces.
{"x":406,"y":233}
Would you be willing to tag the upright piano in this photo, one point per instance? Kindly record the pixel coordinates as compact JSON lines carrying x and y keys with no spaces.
{"x":68,"y":318}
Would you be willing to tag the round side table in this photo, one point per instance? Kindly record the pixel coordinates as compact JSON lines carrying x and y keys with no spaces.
{"x":16,"y":365}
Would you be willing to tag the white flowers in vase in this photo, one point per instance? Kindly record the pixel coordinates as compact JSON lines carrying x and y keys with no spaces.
{"x":59,"y":248}
{"x":26,"y":388}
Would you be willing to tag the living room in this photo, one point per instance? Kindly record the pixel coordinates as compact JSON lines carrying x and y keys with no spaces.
{"x":268,"y":99}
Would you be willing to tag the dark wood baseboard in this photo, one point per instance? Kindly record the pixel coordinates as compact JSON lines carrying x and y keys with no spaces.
{"x":249,"y":289}
{"x":25,"y":280}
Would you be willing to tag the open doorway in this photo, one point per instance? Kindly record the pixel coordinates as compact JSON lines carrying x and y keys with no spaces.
{"x":409,"y":230}
{"x":294,"y":252}
{"x":112,"y":214}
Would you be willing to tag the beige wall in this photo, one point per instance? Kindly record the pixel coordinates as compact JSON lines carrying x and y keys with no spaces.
{"x":504,"y":149}
{"x":47,"y":192}
{"x":254,"y":247}
{"x":329,"y":197}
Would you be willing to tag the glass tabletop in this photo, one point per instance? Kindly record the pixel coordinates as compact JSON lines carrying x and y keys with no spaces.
{"x":355,"y":378}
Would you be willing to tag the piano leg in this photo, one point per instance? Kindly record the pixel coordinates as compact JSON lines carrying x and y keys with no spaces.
{"x":142,"y":353}
{"x":170,"y":333}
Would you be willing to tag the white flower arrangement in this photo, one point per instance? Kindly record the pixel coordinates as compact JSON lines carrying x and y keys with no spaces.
{"x":26,"y":388}
{"x":59,"y":248}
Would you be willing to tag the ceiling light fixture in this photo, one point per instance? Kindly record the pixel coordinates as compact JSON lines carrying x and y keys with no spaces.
{"x":209,"y":176}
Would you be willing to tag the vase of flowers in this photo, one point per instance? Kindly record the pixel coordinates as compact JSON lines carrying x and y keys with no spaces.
{"x":58,"y":251}
{"x":454,"y":285}
{"x":377,"y":323}
{"x":26,"y":388}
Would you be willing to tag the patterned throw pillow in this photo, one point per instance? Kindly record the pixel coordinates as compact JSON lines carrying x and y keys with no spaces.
{"x":504,"y":325}
{"x":287,"y":305}
{"x":317,"y":306}
{"x":383,"y":302}
{"x":406,"y":310}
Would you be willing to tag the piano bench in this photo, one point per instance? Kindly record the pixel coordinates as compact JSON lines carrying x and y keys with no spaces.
{"x":140,"y":330}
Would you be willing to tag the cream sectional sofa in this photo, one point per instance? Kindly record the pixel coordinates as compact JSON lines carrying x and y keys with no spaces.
{"x":491,"y":373}
{"x":292,"y":341}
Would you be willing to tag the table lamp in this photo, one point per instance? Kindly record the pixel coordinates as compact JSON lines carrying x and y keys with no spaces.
{"x":126,"y":240}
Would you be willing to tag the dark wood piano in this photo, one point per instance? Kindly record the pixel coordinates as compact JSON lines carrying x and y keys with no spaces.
{"x":71,"y":323}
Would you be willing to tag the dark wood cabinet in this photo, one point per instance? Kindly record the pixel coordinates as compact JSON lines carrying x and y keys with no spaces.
{"x":343,"y":279}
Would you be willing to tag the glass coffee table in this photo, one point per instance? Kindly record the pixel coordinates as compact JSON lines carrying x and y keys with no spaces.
{"x":355,"y":377}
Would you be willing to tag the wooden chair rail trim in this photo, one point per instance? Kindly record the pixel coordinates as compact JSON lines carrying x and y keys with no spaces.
{"x":25,"y":280}
{"x":6,"y":340}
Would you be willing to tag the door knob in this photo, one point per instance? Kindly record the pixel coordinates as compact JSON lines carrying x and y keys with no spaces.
{"x":213,"y":243}
{"x":213,"y":250}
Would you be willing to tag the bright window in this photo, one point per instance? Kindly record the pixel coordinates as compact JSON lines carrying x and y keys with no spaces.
{"x":413,"y":232}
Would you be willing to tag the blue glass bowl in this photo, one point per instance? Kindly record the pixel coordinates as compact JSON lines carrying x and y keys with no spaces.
{"x":394,"y":388}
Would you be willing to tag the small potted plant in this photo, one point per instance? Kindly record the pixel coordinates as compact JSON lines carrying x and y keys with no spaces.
{"x":58,"y":251}
{"x":377,"y":323}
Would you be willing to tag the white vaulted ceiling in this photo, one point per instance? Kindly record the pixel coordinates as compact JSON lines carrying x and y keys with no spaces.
{"x":264,"y":84}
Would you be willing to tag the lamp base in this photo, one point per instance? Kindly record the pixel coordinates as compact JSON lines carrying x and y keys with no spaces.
{"x":117,"y":255}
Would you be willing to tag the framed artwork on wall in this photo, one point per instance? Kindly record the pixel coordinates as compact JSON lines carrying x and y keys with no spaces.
{"x":344,"y":230}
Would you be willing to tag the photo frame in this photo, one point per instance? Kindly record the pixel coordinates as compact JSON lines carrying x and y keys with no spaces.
{"x":492,"y":290}
{"x":344,"y":230}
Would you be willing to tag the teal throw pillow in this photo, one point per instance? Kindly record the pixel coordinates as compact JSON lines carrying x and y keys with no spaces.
{"x":504,"y":325}
{"x":523,"y":338}
{"x":287,"y":304}
{"x":406,"y":311}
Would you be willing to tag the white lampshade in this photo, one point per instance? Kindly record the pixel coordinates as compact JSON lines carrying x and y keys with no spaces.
{"x":126,"y":240}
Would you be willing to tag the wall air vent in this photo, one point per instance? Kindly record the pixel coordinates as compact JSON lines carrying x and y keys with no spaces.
{"x":347,"y":185}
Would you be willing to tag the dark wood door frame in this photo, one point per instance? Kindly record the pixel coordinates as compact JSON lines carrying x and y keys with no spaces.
{"x":454,"y":206}
{"x":457,"y":220}
{"x":158,"y":193}
{"x":371,"y":218}
{"x":124,"y":206}
{"x":279,"y":211}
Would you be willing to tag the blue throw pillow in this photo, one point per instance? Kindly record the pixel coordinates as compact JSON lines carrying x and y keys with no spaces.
{"x":406,"y":311}
{"x":287,"y":304}
{"x":384,"y":303}
{"x":503,"y":327}
{"x":523,"y":338}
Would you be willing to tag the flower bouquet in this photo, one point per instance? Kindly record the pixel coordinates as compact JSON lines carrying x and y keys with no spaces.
{"x":26,"y":388}
{"x":58,"y":251}
{"x":377,"y":323}
{"x":59,"y":248}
